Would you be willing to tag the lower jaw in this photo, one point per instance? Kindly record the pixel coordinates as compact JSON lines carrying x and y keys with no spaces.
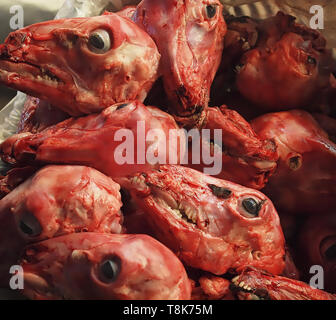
{"x":28,"y":72}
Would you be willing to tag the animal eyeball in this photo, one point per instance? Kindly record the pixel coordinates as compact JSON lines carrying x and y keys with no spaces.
{"x":211,"y":11}
{"x":110,"y":269}
{"x":311,"y":60}
{"x":100,"y":41}
{"x":252,"y":207}
{"x":328,"y":248}
{"x":122,"y":106}
{"x":30,"y":226}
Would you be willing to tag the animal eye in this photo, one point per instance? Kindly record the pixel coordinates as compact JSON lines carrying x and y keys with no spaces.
{"x":122,"y":106}
{"x":311,"y":60}
{"x":100,"y":41}
{"x":211,"y":11}
{"x":328,"y":248}
{"x":331,"y":252}
{"x":252,"y":207}
{"x":30,"y":226}
{"x":110,"y":269}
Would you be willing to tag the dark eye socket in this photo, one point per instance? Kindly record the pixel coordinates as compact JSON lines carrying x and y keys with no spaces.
{"x":311,"y":60}
{"x":30,"y":226}
{"x":252,"y":207}
{"x":110,"y":269}
{"x":330,"y":253}
{"x":211,"y":10}
{"x":328,"y":248}
{"x":100,"y":41}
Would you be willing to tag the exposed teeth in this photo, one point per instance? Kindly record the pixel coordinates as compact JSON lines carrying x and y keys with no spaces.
{"x":246,"y":291}
{"x":138,"y":180}
{"x":46,"y":77}
{"x":191,"y":214}
{"x":186,"y":213}
{"x":178,"y":213}
{"x":235,"y":280}
{"x":166,"y":198}
{"x":247,"y":288}
{"x":241,"y":284}
{"x":181,"y":211}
